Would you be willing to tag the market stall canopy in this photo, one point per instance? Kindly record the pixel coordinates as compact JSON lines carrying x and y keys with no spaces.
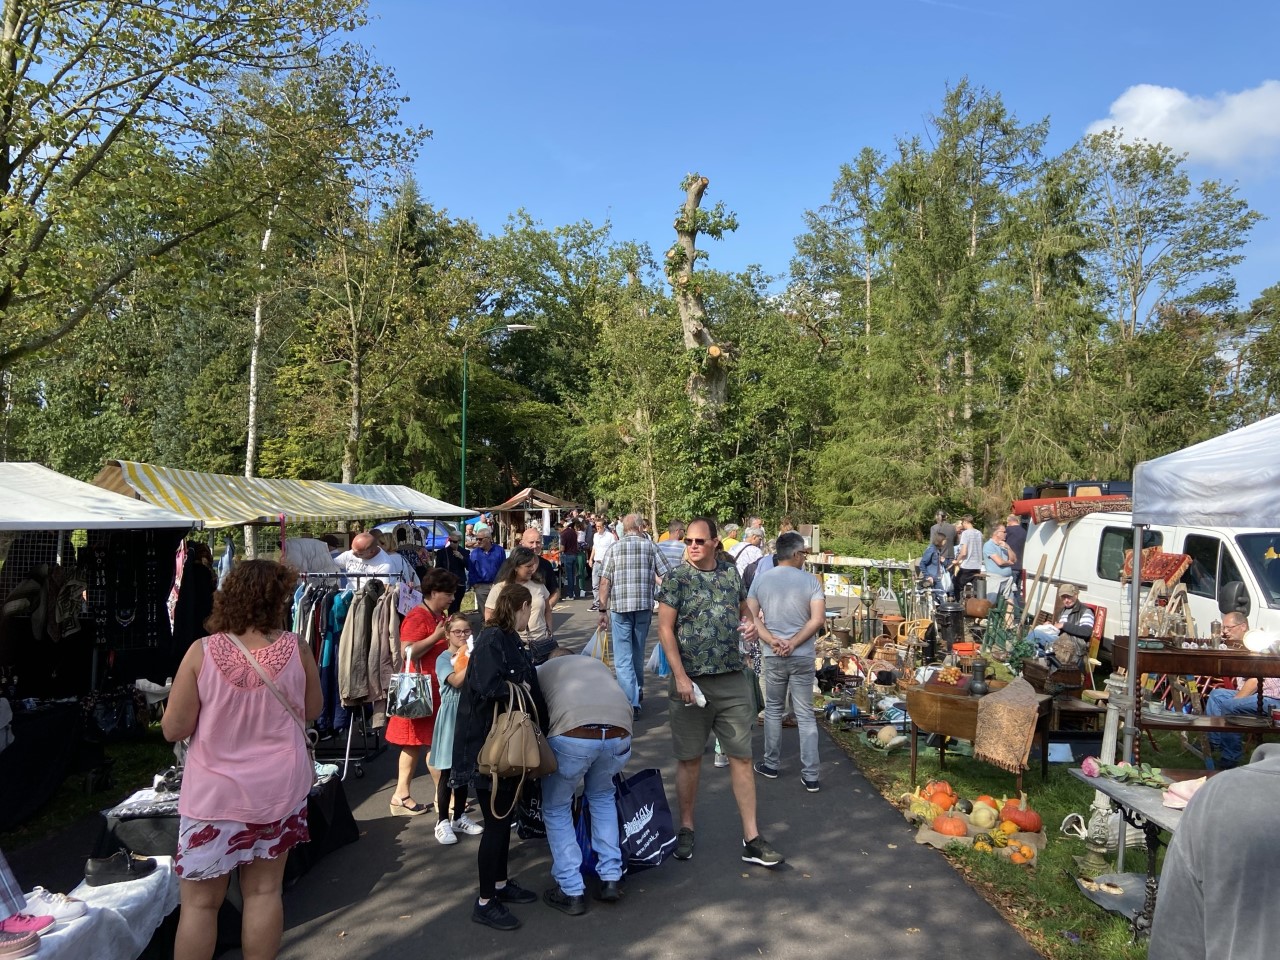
{"x":221,"y":500}
{"x":405,"y":500}
{"x":531,"y":499}
{"x":1231,"y":480}
{"x":33,"y":497}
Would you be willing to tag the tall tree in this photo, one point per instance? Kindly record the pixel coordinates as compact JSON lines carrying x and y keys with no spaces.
{"x":77,"y":78}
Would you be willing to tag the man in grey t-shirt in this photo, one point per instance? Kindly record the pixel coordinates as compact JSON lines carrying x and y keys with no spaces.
{"x":789,"y":609}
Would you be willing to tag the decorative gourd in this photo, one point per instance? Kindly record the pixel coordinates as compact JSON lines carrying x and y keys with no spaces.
{"x":982,"y":846}
{"x":983,"y":817}
{"x":988,"y":801}
{"x":1008,"y":828}
{"x":963,"y":806}
{"x":939,"y":792}
{"x":950,"y":825}
{"x":999,"y":840}
{"x":983,"y":838}
{"x":1017,"y":858}
{"x":1020,"y":814}
{"x":919,"y":806}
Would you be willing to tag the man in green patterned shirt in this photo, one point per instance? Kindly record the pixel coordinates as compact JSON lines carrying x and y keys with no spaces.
{"x":703,"y":622}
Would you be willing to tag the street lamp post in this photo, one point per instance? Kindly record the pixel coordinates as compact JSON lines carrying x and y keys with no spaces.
{"x":510,"y":328}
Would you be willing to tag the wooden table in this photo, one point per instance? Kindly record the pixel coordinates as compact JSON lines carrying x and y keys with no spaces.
{"x":1144,"y":809}
{"x":952,"y":716}
{"x":1202,"y":663}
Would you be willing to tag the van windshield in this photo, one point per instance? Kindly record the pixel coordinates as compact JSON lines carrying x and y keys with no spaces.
{"x":1262,"y":550}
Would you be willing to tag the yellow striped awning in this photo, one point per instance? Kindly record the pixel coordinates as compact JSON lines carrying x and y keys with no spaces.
{"x":221,"y":500}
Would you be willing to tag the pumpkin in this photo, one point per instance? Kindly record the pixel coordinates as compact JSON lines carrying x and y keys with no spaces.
{"x":1027,"y":851}
{"x":1008,"y":828}
{"x":1019,"y":813}
{"x":885,"y":735}
{"x":964,"y":806}
{"x":939,"y":792}
{"x":1017,"y":858}
{"x":950,"y":825}
{"x":988,"y":801}
{"x":983,"y":817}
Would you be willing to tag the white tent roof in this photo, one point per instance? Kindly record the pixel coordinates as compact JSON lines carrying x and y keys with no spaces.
{"x":405,"y":499}
{"x":1231,"y":480}
{"x":33,"y":497}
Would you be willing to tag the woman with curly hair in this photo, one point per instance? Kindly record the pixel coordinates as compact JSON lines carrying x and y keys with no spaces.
{"x":243,"y":696}
{"x":423,"y":638}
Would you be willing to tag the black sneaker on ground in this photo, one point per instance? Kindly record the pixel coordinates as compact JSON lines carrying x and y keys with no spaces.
{"x":573,"y":905}
{"x":684,"y":844}
{"x":514,"y":893}
{"x":765,"y":770}
{"x":811,"y":785}
{"x":494,"y":914}
{"x":759,"y":851}
{"x":609,"y":891}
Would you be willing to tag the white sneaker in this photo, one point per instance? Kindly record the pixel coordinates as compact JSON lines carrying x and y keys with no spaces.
{"x":721,"y":760}
{"x":465,"y":824}
{"x":63,"y":909}
{"x":445,"y":834}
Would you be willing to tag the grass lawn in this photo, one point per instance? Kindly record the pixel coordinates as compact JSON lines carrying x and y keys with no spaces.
{"x":1041,"y":901}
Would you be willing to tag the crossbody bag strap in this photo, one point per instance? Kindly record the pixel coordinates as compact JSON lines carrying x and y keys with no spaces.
{"x":293,"y":712}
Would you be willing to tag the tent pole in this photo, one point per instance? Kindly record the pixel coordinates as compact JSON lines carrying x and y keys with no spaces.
{"x":1131,"y":680}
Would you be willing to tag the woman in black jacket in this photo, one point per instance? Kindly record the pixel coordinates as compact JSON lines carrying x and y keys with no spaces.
{"x":499,"y":655}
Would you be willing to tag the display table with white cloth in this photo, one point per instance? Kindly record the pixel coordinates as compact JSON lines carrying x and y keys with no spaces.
{"x":121,"y":918}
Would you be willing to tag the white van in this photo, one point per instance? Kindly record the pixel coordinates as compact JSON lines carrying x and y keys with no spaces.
{"x":1089,"y":552}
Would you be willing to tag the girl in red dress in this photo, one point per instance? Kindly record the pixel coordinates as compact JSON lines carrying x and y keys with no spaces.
{"x":423,"y":637}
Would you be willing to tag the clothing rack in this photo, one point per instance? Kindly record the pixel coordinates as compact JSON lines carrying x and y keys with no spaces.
{"x":370,"y":744}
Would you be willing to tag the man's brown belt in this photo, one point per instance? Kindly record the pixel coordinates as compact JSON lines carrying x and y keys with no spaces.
{"x":597,"y":731}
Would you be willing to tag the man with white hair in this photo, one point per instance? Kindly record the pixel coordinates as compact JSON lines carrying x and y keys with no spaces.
{"x":749,"y":550}
{"x":483,"y":564}
{"x":366,"y":556}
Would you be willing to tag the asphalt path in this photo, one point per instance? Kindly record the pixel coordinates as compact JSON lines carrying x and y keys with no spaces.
{"x":855,"y":885}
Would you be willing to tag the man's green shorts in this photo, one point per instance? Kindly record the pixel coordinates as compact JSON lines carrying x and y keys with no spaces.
{"x":730,"y":714}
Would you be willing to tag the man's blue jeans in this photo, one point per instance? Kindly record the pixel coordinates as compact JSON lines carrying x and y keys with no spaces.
{"x":629,"y":633}
{"x":569,"y":575}
{"x":792,"y":675}
{"x":1225,"y":703}
{"x":592,"y":763}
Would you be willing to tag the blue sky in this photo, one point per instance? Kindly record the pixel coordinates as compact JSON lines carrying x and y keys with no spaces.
{"x":596,"y":110}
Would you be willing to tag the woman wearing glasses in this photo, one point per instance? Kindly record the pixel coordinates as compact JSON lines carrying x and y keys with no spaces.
{"x":451,"y":671}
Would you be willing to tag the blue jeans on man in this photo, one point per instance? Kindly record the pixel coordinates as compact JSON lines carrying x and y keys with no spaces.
{"x":569,"y":575}
{"x":629,"y":633}
{"x":593,"y":763}
{"x":1225,"y":703}
{"x":792,"y":675}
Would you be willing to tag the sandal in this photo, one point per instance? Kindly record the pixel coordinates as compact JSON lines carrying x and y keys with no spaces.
{"x":408,"y":807}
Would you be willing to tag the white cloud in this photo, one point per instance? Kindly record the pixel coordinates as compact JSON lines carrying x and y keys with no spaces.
{"x":1222,"y":130}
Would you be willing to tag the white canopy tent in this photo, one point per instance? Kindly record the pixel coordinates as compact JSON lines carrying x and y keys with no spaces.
{"x":405,"y":500}
{"x":1231,"y":480}
{"x":33,"y":497}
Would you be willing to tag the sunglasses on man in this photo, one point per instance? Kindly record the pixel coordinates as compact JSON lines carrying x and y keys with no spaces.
{"x":697,"y":541}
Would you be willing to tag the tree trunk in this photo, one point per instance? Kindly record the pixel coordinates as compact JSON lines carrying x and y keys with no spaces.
{"x":708,"y":381}
{"x":255,"y":354}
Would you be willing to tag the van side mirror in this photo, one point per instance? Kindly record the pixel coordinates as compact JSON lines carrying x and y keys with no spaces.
{"x":1233,"y":597}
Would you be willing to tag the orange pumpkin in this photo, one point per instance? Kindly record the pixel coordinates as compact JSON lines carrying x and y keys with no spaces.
{"x":951,"y":825}
{"x":1017,"y":858}
{"x":940,"y":793}
{"x":989,"y":801}
{"x":1019,"y":813}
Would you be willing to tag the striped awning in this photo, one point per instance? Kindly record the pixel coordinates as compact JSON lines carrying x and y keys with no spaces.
{"x":221,"y":500}
{"x":405,"y":499}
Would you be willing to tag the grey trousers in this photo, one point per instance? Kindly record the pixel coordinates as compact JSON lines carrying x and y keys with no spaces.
{"x":792,"y":675}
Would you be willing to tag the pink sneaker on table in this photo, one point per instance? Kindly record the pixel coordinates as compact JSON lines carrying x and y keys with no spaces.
{"x":25,"y":923}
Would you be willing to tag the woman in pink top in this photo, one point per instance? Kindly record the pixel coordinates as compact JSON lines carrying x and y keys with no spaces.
{"x":244,"y":791}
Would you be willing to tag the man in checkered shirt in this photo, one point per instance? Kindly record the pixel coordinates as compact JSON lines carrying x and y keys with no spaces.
{"x":631,"y":570}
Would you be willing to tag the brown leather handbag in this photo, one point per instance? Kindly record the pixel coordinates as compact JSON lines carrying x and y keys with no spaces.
{"x":515,"y":746}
